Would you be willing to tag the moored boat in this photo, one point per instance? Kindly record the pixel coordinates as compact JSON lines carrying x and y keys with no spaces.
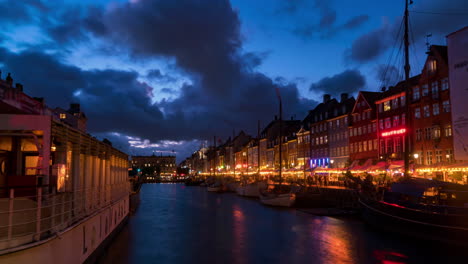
{"x":273,"y":199}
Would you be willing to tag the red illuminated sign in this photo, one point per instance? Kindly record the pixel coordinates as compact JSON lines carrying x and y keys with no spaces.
{"x":394,"y":132}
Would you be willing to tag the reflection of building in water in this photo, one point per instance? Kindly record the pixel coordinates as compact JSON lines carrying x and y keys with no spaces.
{"x":55,"y":181}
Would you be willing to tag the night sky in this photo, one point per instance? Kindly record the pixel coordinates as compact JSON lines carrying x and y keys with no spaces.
{"x":163,"y":75}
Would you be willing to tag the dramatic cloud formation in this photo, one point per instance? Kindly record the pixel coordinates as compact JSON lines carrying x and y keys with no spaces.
{"x":202,"y":37}
{"x":428,"y":17}
{"x":388,"y":75}
{"x":349,"y":81}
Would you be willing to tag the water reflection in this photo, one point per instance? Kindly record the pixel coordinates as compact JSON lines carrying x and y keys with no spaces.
{"x":178,"y":224}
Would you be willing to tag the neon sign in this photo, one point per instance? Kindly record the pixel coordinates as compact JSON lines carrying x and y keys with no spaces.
{"x":394,"y":132}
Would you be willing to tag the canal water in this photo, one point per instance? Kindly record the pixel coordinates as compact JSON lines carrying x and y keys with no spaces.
{"x":179,"y":224}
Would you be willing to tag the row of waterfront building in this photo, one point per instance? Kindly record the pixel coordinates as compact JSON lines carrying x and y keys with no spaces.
{"x":366,"y":133}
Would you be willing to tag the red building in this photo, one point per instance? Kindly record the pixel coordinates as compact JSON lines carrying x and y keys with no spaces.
{"x":392,"y":122}
{"x":430,"y":107}
{"x":363,"y":130}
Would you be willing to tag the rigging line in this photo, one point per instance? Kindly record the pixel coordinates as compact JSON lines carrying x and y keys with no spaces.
{"x":439,"y":13}
{"x":383,"y":81}
{"x":415,"y":54}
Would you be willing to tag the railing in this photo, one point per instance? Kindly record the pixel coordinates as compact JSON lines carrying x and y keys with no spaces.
{"x":33,"y":218}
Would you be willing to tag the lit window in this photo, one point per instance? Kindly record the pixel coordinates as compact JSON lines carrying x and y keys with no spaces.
{"x":427,"y":113}
{"x":445,"y":84}
{"x":436,"y":132}
{"x":387,"y":106}
{"x":449,"y":155}
{"x":417,"y":113}
{"x":435,"y":109}
{"x":446,"y":106}
{"x":438,"y":154}
{"x":364,"y":145}
{"x":448,"y":131}
{"x":432,"y":66}
{"x":416,"y":94}
{"x":63,"y":116}
{"x":425,"y":90}
{"x":429,"y":158}
{"x":427,"y":132}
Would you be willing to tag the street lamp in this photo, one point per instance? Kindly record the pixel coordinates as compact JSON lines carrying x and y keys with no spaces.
{"x":416,"y":155}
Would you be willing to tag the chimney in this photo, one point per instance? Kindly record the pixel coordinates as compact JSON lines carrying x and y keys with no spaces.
{"x":344,"y":97}
{"x":9,"y":80}
{"x":326,"y":98}
{"x":383,"y":89}
{"x":74,"y":108}
{"x":19,"y":87}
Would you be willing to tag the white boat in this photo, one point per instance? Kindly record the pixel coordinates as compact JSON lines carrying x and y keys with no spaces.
{"x":251,"y":190}
{"x":284,"y":199}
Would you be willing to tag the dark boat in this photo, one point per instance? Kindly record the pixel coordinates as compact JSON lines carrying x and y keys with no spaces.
{"x":427,"y":209}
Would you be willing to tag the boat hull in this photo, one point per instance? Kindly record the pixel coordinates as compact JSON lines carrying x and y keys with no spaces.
{"x":214,"y":189}
{"x":415,"y":223}
{"x":282,"y":200}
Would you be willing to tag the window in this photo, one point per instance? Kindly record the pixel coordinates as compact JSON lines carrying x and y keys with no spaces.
{"x":63,"y":116}
{"x":369,"y":128}
{"x":435,"y":109}
{"x":325,"y":139}
{"x":351,"y":148}
{"x":359,"y":131}
{"x":369,"y":145}
{"x":449,"y":155}
{"x":436,"y":132}
{"x":360,"y":146}
{"x":435,"y":90}
{"x":375,"y":144}
{"x":416,"y":94}
{"x":363,"y":116}
{"x":445,"y":84}
{"x":397,"y":144}
{"x":427,"y":132}
{"x":374,"y":127}
{"x":381,"y":124}
{"x":425,"y":90}
{"x":364,"y":146}
{"x":417,"y":113}
{"x":364,"y":130}
{"x":438,"y":154}
{"x":446,"y":106}
{"x":427,"y":112}
{"x":396,"y":121}
{"x":382,"y":146}
{"x":380,"y":108}
{"x":395,"y":103}
{"x":432,"y":66}
{"x":403,"y":100}
{"x":418,"y":134}
{"x":389,"y":143}
{"x":388,"y":122}
{"x":429,"y":158}
{"x":386,"y":106}
{"x":403,"y":119}
{"x":448,"y":131}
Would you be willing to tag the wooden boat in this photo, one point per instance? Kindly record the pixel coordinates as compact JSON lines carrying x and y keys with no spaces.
{"x":446,"y":221}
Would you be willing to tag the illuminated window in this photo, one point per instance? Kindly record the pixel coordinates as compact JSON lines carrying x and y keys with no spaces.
{"x":432,"y":66}
{"x":425,"y":90}
{"x":386,"y":106}
{"x":446,"y":106}
{"x":448,"y":131}
{"x":427,"y":112}
{"x":416,"y":94}
{"x":435,"y":109}
{"x":364,"y":145}
{"x":438,"y":154}
{"x":360,"y":146}
{"x":429,"y":158}
{"x":449,"y":155}
{"x":445,"y":84}
{"x":417,"y":113}
{"x":63,"y":116}
{"x":436,"y":132}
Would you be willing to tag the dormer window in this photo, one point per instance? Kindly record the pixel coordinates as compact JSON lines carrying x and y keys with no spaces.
{"x":432,"y":66}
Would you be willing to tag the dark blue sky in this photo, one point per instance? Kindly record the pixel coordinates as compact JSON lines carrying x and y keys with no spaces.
{"x":156,"y":75}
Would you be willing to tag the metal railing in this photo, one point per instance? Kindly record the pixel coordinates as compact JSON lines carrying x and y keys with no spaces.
{"x":28,"y":219}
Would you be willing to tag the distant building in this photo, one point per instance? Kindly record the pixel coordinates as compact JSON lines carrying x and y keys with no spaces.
{"x":165,"y":164}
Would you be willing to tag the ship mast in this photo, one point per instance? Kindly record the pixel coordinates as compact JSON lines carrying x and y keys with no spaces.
{"x":407,"y":89}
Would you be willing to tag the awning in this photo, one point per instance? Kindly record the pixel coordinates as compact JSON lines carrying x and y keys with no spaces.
{"x":396,"y":164}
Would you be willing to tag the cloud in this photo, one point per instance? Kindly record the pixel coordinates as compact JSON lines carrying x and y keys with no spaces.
{"x":201,"y":37}
{"x":388,"y":75}
{"x":349,"y":81}
{"x":355,"y":22}
{"x":156,"y":74}
{"x":371,"y":45}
